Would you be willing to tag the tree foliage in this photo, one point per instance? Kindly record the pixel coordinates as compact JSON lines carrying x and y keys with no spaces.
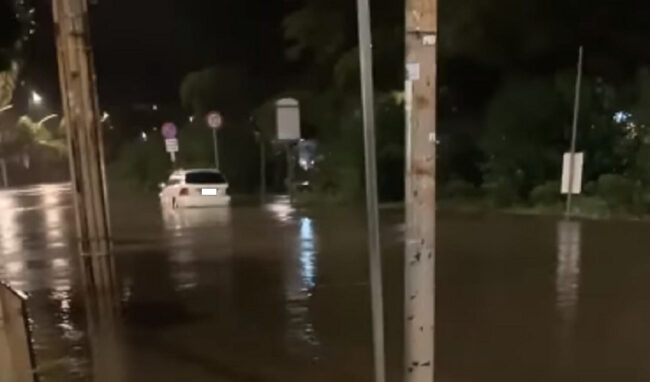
{"x":9,"y":33}
{"x":223,"y":88}
{"x":506,"y":92}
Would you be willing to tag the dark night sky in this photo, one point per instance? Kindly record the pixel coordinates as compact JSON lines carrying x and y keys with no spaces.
{"x":144,"y":48}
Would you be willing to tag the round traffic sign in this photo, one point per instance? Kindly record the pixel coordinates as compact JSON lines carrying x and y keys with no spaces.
{"x":214,"y":120}
{"x":169,"y":130}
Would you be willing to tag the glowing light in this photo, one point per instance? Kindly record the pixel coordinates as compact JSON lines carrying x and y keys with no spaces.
{"x":144,"y":136}
{"x":36,"y":98}
{"x":622,"y":116}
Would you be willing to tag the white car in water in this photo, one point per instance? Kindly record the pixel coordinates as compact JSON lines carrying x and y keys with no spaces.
{"x":195,"y":188}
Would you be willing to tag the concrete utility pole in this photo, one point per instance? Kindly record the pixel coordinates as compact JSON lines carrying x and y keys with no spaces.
{"x":82,"y":118}
{"x":420,"y":104}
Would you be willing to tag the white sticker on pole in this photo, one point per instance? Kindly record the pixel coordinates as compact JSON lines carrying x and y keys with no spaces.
{"x":429,"y":39}
{"x":578,"y":165}
{"x":288,"y":119}
{"x":171,"y":145}
{"x":412,"y":72}
{"x":408,"y":96}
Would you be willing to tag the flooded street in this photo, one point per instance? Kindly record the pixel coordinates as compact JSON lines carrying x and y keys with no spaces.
{"x":271,"y":293}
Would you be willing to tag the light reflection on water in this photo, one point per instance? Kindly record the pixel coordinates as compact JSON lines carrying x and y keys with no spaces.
{"x":567,"y":288}
{"x":9,"y":228}
{"x":307,"y":252}
{"x":62,"y":295}
{"x":567,"y":283}
{"x":281,"y":209}
{"x":300,"y":279}
{"x":185,"y":229}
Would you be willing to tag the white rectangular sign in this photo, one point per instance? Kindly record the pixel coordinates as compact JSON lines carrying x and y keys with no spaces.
{"x":578,"y":165}
{"x":171,"y":145}
{"x":288,"y":119}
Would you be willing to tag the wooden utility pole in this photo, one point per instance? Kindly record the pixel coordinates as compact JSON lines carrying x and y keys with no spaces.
{"x":81,"y":110}
{"x":420,"y":104}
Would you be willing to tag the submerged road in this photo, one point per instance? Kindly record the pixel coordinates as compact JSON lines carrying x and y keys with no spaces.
{"x":272,"y":293}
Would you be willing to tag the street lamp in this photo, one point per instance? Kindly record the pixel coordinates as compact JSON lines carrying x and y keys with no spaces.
{"x":36,"y":98}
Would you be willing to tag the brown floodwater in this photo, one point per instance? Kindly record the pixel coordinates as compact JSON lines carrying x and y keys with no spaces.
{"x":274,"y":293}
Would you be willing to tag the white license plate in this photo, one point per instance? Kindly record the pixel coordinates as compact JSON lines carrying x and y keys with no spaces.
{"x":209,"y":191}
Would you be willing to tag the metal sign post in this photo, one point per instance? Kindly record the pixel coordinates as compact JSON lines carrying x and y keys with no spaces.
{"x":169,"y":132}
{"x":574,"y":133}
{"x":171,"y":145}
{"x":214,"y":121}
{"x":368,"y":100}
{"x":288,"y":130}
{"x":572,"y":168}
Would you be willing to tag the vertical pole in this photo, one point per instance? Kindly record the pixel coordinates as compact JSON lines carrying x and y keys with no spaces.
{"x":3,"y":168}
{"x":262,"y":169}
{"x":290,"y":170}
{"x":574,"y":134}
{"x":419,"y":267}
{"x":215,"y":146}
{"x":81,"y":109}
{"x":374,"y":246}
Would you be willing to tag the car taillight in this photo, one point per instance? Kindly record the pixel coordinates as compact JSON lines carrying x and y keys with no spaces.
{"x":184,"y":192}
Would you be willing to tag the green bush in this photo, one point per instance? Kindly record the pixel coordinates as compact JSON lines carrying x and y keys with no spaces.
{"x":546,"y":194}
{"x":458,"y":188}
{"x":501,"y":192}
{"x":620,"y":193}
{"x":591,"y":188}
{"x":142,"y":163}
{"x":591,"y":206}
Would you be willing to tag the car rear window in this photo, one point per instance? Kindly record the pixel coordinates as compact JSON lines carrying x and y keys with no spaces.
{"x":204,"y":177}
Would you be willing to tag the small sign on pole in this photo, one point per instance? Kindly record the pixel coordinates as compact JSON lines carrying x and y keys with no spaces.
{"x":171,"y":145}
{"x":288,"y":119}
{"x":573,"y":176}
{"x":169,"y":132}
{"x":215,"y":122}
